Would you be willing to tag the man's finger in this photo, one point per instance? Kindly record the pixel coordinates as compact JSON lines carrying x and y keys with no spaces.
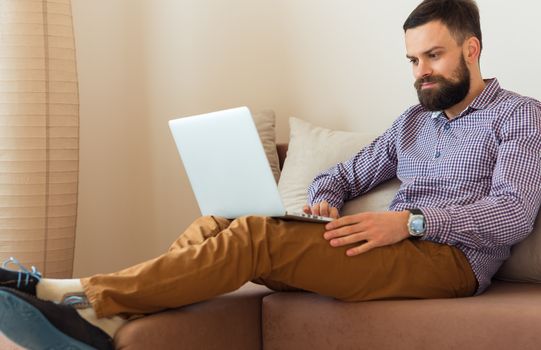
{"x":348,"y":239}
{"x":324,"y":208}
{"x":315,"y":209}
{"x":363,"y":248}
{"x":343,"y":221}
{"x":343,"y":231}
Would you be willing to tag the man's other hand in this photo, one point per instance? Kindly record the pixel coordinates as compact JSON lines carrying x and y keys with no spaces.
{"x":322,"y":209}
{"x":371,"y":230}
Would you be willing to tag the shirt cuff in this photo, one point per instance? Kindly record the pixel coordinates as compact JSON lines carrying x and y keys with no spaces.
{"x":332,"y":202}
{"x":438,"y":224}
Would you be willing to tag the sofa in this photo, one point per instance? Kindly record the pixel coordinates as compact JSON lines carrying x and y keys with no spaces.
{"x":506,"y":316}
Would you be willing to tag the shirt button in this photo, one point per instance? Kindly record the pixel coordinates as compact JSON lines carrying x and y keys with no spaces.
{"x":438,"y":154}
{"x":447,"y":127}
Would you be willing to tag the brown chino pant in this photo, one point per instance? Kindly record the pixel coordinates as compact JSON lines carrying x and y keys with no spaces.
{"x":215,"y":256}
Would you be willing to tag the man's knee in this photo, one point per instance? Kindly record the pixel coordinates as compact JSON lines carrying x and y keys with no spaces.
{"x":212,"y":222}
{"x":253,"y":221}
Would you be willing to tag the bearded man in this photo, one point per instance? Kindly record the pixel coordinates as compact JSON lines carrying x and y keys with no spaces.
{"x":468,"y":160}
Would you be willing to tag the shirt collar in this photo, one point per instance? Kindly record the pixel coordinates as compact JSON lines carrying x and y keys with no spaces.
{"x":488,"y":95}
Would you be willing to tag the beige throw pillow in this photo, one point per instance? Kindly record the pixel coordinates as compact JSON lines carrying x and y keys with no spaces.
{"x":313,"y":149}
{"x":265,"y":124}
{"x":524,"y":265}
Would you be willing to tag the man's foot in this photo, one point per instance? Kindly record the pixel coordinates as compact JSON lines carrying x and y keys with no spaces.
{"x":37,"y":324}
{"x":24,"y":280}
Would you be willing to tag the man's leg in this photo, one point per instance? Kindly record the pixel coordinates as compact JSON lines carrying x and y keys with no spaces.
{"x":199,"y":231}
{"x":293,"y":253}
{"x":196,"y":269}
{"x":203,"y":228}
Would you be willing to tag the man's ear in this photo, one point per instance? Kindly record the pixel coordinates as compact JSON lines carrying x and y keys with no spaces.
{"x":472,"y":49}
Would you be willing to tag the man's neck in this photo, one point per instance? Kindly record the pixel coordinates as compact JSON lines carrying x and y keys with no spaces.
{"x":476,"y":89}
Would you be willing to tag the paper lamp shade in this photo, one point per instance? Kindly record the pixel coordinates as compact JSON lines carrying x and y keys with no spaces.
{"x":39,"y":134}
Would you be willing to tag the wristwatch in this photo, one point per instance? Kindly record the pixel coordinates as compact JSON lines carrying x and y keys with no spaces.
{"x":416,"y":223}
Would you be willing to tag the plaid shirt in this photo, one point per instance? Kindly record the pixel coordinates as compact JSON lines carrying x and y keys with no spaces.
{"x":477,"y":178}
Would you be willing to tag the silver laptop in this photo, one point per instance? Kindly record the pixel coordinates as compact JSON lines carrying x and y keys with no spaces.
{"x":227,"y":166}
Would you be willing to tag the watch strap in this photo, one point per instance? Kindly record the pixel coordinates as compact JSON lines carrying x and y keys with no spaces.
{"x":416,"y":212}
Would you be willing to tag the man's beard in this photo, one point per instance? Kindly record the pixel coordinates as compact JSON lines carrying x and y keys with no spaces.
{"x":446,"y":93}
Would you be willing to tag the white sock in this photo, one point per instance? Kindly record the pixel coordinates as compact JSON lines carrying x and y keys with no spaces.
{"x":54,"y":290}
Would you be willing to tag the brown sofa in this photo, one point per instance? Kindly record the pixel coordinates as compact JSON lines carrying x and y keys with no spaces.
{"x":507,"y":316}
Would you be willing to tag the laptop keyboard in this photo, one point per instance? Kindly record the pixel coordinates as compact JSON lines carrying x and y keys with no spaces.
{"x":310,"y":216}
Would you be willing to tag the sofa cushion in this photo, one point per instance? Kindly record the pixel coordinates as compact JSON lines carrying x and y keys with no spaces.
{"x":230,"y":321}
{"x":265,"y":122}
{"x":313,"y":149}
{"x":505,"y":317}
{"x":524,"y":265}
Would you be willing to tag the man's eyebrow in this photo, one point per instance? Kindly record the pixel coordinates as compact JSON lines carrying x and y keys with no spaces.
{"x":427,"y":51}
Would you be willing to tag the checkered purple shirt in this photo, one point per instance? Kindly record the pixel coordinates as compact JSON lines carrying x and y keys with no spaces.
{"x":477,"y":178}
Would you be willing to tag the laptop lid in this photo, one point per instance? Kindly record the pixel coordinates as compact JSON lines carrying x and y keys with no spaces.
{"x":226,"y":164}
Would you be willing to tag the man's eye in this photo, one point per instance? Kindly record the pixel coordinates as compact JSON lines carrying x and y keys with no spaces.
{"x":413,"y":61}
{"x":433,"y":55}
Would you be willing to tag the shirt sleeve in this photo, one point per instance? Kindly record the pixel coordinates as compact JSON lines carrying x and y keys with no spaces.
{"x":507,"y":214}
{"x":371,"y":166}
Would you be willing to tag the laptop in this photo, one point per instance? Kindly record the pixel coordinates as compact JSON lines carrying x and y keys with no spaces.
{"x":228,"y":168}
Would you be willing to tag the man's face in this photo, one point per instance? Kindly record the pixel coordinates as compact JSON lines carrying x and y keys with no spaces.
{"x":442,"y":78}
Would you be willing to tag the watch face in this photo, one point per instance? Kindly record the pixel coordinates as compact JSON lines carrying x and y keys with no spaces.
{"x":417,"y":225}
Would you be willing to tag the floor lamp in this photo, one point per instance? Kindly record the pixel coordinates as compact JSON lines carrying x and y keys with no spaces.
{"x":39,"y":135}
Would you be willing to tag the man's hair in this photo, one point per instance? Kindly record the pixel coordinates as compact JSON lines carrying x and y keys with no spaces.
{"x":461,"y":17}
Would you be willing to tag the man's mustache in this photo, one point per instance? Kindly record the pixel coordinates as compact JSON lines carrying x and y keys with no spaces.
{"x":430,"y":79}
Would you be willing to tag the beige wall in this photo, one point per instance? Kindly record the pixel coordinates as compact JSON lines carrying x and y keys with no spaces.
{"x":112,"y":225}
{"x":336,"y":63}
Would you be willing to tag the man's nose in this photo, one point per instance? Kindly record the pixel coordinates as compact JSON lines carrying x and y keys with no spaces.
{"x":422,"y":70}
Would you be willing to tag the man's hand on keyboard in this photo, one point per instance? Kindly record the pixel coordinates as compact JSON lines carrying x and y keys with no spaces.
{"x":322,"y":209}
